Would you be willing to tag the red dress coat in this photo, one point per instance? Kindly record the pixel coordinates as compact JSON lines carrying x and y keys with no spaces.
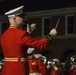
{"x":37,"y":66}
{"x":72,"y":71}
{"x":14,"y":44}
{"x":55,"y":72}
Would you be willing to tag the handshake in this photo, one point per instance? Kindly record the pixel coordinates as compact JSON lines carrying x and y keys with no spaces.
{"x":32,"y":27}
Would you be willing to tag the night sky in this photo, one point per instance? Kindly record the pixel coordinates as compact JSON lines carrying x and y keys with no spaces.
{"x":35,"y":5}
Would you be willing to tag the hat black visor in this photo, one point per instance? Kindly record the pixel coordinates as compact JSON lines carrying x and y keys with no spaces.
{"x":21,"y":15}
{"x":30,"y":54}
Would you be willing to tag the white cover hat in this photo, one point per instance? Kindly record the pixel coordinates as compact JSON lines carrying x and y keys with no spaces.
{"x":37,"y":55}
{"x":15,"y":11}
{"x":55,"y":60}
{"x":30,"y":50}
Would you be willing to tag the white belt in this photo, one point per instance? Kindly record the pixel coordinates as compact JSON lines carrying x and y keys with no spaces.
{"x":15,"y":59}
{"x":33,"y":73}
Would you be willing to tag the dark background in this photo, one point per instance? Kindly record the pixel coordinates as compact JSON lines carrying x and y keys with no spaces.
{"x":35,"y":5}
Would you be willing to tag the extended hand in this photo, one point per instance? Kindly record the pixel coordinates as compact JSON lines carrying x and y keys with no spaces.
{"x":53,"y":32}
{"x":31,"y":28}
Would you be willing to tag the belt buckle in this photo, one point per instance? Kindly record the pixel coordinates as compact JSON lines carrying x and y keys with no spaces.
{"x":31,"y":74}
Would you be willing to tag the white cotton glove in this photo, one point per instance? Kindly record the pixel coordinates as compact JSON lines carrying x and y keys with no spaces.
{"x":55,"y":68}
{"x":72,"y":66}
{"x":48,"y":66}
{"x":31,"y":28}
{"x":53,"y":32}
{"x":0,"y":66}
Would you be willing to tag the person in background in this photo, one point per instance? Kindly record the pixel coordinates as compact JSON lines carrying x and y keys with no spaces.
{"x":15,"y":42}
{"x":72,"y":69}
{"x":36,"y":66}
{"x":64,"y":69}
{"x":55,"y":68}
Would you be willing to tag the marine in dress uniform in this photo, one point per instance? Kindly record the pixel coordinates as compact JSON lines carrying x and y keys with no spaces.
{"x":54,"y":69}
{"x":15,"y":43}
{"x":36,"y":66}
{"x":64,"y":69}
{"x":72,"y":70}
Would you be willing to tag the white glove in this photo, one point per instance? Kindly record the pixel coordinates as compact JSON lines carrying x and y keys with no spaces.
{"x":53,"y":32}
{"x":72,"y":66}
{"x":48,"y":66}
{"x":0,"y":67}
{"x":31,"y":28}
{"x":55,"y":68}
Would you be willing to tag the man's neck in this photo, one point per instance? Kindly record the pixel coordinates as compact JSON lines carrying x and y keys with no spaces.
{"x":13,"y":26}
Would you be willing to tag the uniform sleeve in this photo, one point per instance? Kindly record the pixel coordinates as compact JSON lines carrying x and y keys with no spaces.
{"x":29,"y":41}
{"x":42,"y":68}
